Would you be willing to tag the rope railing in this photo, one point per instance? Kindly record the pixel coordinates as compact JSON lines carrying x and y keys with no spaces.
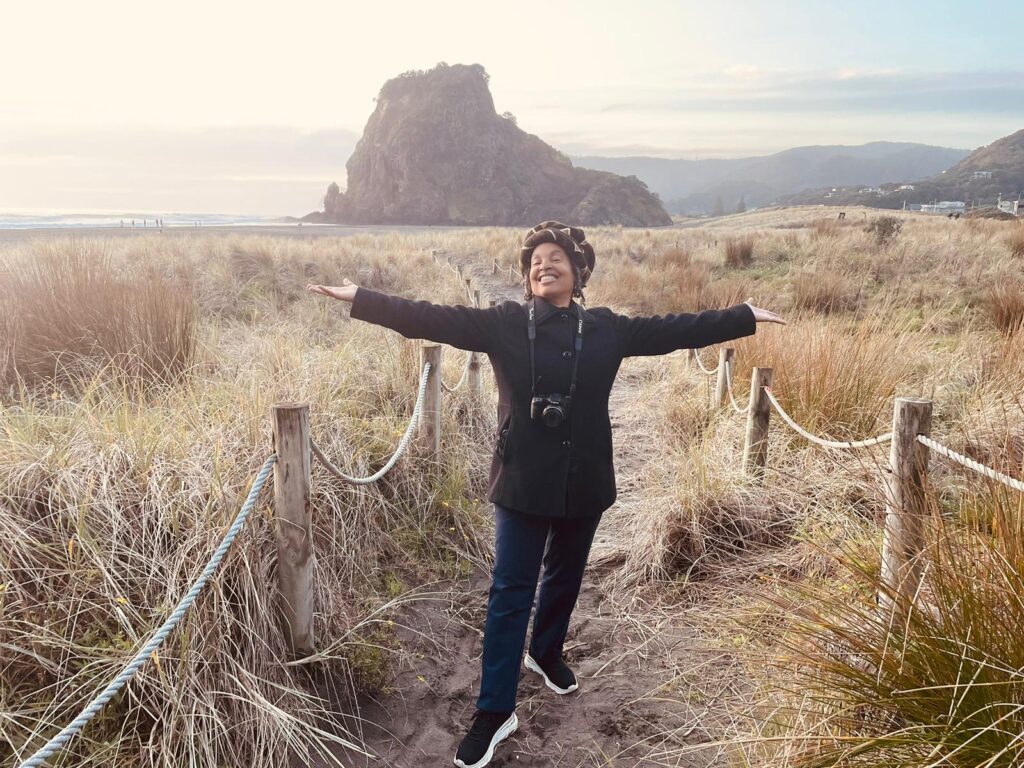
{"x":970,"y":463}
{"x":451,"y":390}
{"x":732,"y":397}
{"x":402,"y":444}
{"x":696,"y":356}
{"x":823,"y":441}
{"x":93,"y":708}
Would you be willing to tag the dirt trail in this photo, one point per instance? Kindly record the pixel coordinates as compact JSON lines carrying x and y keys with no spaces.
{"x":621,"y":716}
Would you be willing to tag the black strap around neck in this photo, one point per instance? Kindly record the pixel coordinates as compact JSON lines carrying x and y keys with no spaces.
{"x":531,"y":332}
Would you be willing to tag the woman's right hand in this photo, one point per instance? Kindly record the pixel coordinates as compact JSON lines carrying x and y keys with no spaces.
{"x":344,"y":292}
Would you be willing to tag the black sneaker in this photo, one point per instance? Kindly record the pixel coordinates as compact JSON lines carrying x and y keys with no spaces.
{"x":488,"y":729}
{"x":557,"y":676}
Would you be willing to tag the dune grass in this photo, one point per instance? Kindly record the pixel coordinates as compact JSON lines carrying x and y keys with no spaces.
{"x":131,"y":428}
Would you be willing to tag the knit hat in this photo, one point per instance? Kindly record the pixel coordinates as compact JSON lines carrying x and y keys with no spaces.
{"x":572,"y":240}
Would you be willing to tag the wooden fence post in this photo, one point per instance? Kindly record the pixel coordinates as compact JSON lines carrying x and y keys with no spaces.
{"x":755,"y":446}
{"x":293,"y":524}
{"x":494,"y":266}
{"x":475,"y":386}
{"x":492,"y":302}
{"x":458,"y":271}
{"x":476,"y":298}
{"x":720,"y":396}
{"x":469,"y":288}
{"x":429,"y":429}
{"x":905,"y":506}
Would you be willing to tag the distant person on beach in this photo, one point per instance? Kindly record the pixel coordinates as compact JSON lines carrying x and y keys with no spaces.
{"x":551,"y":474}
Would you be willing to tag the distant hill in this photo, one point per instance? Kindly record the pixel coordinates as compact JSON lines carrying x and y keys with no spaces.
{"x":696,"y":186}
{"x":981,"y":178}
{"x":434,"y":151}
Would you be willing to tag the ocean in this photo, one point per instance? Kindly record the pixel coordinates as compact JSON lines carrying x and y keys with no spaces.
{"x":145,"y":219}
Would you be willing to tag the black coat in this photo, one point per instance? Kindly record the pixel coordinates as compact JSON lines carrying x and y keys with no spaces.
{"x":563,"y":471}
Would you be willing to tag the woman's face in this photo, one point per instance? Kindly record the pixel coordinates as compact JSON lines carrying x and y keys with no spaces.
{"x":551,"y":275}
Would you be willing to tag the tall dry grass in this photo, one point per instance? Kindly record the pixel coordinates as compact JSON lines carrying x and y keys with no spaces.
{"x":943,"y":687}
{"x":71,"y":310}
{"x":114,"y":492}
{"x":113,"y":495}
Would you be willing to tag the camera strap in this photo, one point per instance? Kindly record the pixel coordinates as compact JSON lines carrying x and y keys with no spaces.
{"x":531,"y":333}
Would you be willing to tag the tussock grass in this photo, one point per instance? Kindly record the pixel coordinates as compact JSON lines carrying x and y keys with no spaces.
{"x":114,"y":491}
{"x":739,"y":252}
{"x":943,"y":687}
{"x":69,"y":311}
{"x":1015,"y":242}
{"x":113,"y":495}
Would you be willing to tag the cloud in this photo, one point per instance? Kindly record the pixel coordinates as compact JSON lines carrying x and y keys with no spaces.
{"x":847,"y":91}
{"x":261,"y":169}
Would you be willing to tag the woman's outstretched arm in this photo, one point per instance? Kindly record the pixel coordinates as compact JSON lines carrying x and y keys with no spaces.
{"x":462,"y":327}
{"x":659,"y":335}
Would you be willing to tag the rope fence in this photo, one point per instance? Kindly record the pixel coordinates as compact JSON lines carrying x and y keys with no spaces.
{"x":294,"y":449}
{"x":970,"y":463}
{"x":402,"y":444}
{"x":884,"y":438}
{"x":150,"y":648}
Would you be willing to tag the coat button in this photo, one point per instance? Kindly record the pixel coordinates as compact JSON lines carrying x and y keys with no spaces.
{"x":566,"y":443}
{"x":567,"y":354}
{"x":564,"y":316}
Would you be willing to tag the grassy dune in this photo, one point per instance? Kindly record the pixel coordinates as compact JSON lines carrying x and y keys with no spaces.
{"x":137,"y":380}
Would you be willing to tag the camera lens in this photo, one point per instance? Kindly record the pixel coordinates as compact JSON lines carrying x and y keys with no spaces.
{"x":552,"y":415}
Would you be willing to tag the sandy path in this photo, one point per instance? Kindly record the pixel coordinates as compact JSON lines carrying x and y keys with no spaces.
{"x":643,"y":683}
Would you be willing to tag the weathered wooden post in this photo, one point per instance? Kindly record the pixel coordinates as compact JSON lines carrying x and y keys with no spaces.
{"x":293,"y":524}
{"x":469,"y":288}
{"x":476,"y":298}
{"x":458,"y":271}
{"x":429,"y":429}
{"x":755,"y":445}
{"x":905,"y":506}
{"x":494,"y":266}
{"x":433,"y":255}
{"x":721,"y":394}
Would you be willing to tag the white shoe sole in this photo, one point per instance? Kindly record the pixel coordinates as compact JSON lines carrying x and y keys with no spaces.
{"x":533,"y":665}
{"x":506,"y":729}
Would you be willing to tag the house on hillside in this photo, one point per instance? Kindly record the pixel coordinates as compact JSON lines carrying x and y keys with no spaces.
{"x":981,"y":175}
{"x":905,"y":187}
{"x":1014,"y":207}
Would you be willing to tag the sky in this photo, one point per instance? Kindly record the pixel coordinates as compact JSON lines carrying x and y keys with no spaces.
{"x":253,"y":107}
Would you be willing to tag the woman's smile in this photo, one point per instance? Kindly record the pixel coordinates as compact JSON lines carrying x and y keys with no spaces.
{"x":551,"y":274}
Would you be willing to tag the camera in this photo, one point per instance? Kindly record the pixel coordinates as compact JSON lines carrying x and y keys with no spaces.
{"x":552,"y":409}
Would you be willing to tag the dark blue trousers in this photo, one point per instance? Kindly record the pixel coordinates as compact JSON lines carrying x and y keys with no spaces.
{"x":522,"y":542}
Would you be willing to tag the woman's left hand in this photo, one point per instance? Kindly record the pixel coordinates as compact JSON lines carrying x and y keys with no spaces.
{"x":763,"y":315}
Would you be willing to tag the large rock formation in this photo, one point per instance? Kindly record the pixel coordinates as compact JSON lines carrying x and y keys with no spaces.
{"x":434,"y":151}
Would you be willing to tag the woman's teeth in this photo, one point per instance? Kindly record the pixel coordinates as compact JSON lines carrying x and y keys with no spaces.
{"x":547,"y":278}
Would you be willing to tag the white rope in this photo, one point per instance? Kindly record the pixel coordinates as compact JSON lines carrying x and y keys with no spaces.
{"x":696,"y":356}
{"x":971,"y":463}
{"x":821,"y":441}
{"x":161,"y":634}
{"x":728,"y":383}
{"x":465,"y":377}
{"x":402,"y":444}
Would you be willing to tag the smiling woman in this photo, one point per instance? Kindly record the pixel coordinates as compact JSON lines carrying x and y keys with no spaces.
{"x":551,"y":475}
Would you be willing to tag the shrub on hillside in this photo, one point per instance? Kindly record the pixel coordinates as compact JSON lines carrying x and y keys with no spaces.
{"x":885,"y":228}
